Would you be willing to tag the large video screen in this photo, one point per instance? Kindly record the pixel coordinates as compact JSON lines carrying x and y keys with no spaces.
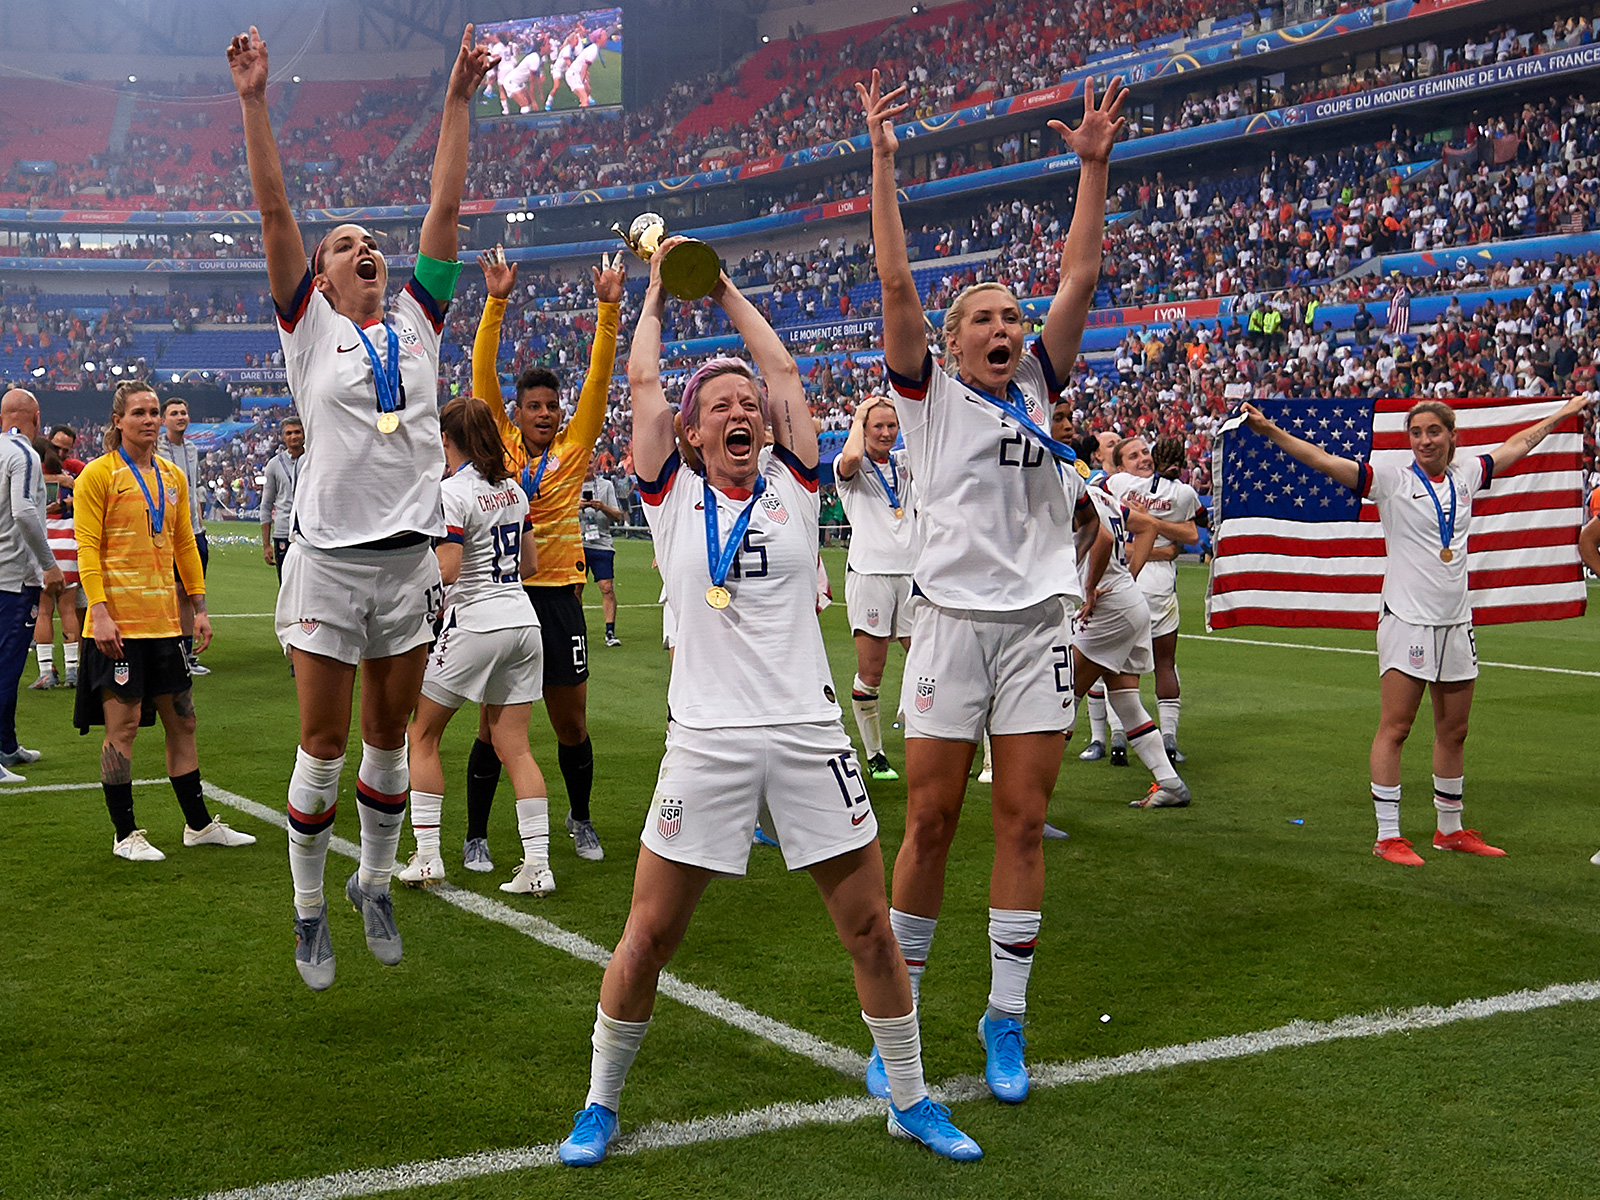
{"x":553,"y":64}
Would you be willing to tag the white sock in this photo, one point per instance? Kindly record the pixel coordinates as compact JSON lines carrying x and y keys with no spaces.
{"x":533,"y":827}
{"x":69,"y":652}
{"x":313,"y":798}
{"x":47,"y":656}
{"x":1144,"y":739}
{"x":1386,"y":804}
{"x":425,"y":815}
{"x":1097,"y":713}
{"x":1113,"y":720}
{"x":616,"y":1045}
{"x":915,"y":935}
{"x":899,"y":1043}
{"x":381,"y":785}
{"x":1013,"y":934}
{"x":1447,"y":802}
{"x":1168,"y":711}
{"x":988,"y":754}
{"x":864,"y":703}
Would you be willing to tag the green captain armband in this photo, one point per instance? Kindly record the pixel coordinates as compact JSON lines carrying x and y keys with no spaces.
{"x":438,"y":276}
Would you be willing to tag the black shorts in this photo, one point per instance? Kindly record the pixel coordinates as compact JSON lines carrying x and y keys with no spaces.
{"x":566,"y":635}
{"x":602,"y":563}
{"x":150,"y":667}
{"x":201,"y":545}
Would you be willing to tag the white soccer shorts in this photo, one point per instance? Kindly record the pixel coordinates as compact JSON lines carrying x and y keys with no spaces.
{"x":880,"y":605}
{"x":1116,"y":637}
{"x":1432,"y":653}
{"x":351,"y":605}
{"x":1163,"y":613}
{"x":1007,"y":672}
{"x":500,"y":666}
{"x":714,"y":782}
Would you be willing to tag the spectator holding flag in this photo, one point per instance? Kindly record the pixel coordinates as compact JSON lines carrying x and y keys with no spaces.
{"x":1425,"y":635}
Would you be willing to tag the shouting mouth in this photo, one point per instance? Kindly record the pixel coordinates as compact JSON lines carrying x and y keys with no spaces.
{"x":367,"y":269}
{"x":739,"y":442}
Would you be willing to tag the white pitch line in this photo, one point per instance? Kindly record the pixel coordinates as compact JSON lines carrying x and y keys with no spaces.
{"x":216,"y":616}
{"x":1213,"y":637}
{"x":796,"y":1041}
{"x":71,"y":787}
{"x":845,"y":1110}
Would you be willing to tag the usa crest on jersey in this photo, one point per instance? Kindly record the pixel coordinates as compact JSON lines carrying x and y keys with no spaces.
{"x":924,"y":696}
{"x":775,"y":509}
{"x":669,"y":820}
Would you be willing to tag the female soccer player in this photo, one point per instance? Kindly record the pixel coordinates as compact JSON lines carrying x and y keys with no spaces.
{"x":738,"y":553}
{"x":132,"y":513}
{"x":488,"y":650}
{"x":1152,"y":477}
{"x":1425,"y":640}
{"x":996,"y":563}
{"x":875,"y":486}
{"x":360,"y":582}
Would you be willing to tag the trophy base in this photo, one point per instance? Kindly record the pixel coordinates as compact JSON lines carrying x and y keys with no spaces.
{"x":690,"y":270}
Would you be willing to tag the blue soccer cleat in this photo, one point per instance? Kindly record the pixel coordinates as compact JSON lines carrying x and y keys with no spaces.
{"x":877,"y":1077}
{"x":593,"y":1131}
{"x":930,"y":1124}
{"x":1004,"y":1071}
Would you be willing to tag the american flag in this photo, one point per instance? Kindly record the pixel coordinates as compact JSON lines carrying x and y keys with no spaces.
{"x":1294,"y":548}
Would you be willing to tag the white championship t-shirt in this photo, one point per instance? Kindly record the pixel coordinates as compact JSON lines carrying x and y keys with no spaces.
{"x":357,"y":485}
{"x":759,"y":661}
{"x":488,"y":521}
{"x":1169,"y":500}
{"x":994,"y":514}
{"x":1418,"y":587}
{"x":880,"y":542}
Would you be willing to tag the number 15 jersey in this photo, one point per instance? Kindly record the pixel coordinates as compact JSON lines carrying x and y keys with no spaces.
{"x":759,"y":661}
{"x":488,"y":521}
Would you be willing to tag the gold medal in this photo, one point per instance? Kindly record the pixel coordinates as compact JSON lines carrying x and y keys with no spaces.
{"x":898,"y":513}
{"x":718,"y":596}
{"x":1446,"y":554}
{"x":158,"y":540}
{"x":388,"y":422}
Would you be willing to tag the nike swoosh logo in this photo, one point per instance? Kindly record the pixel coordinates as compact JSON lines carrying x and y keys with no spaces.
{"x":861,"y":818}
{"x":347,"y":349}
{"x":1418,"y":495}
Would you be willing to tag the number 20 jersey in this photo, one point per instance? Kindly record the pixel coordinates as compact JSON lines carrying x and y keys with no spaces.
{"x":994,"y":515}
{"x":759,"y":661}
{"x":488,"y":521}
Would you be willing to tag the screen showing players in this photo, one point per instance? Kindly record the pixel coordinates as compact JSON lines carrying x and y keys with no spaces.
{"x":553,"y":64}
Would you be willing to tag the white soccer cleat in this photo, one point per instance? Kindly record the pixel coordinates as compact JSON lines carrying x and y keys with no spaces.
{"x":217,"y":834}
{"x":422,"y":870}
{"x":531,"y":879}
{"x":19,"y":756}
{"x":7,"y":775}
{"x":136,"y":847}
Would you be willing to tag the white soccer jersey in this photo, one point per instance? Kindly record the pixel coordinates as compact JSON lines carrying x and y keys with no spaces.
{"x":357,"y":485}
{"x":1116,"y":578}
{"x":505,"y":56}
{"x":578,"y":69}
{"x":880,"y":542}
{"x":1418,"y":587}
{"x":759,"y":661}
{"x":525,"y":70}
{"x":1169,"y":500}
{"x":994,"y":514}
{"x":488,"y":521}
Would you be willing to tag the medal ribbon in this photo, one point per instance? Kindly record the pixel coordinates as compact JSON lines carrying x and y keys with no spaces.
{"x":1013,"y":405}
{"x":530,"y":483}
{"x":720,"y":560}
{"x":1447,"y":526}
{"x":158,"y":515}
{"x":387,"y":379}
{"x":893,"y":491}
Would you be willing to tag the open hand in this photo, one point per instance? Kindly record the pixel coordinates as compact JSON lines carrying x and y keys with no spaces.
{"x":1102,"y":124}
{"x":499,"y":276}
{"x":882,"y":111}
{"x":609,"y":278}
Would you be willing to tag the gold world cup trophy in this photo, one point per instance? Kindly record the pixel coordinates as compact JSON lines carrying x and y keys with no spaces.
{"x":690,"y":269}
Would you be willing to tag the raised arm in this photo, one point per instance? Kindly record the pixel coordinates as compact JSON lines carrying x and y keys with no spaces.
{"x":450,"y":159}
{"x":905,"y":346}
{"x":792,"y":426}
{"x":1344,"y":471}
{"x":855,"y":444}
{"x":653,"y":437}
{"x":1519,"y":445}
{"x":1091,"y":141}
{"x":590,"y":414}
{"x":499,"y":278}
{"x":286,"y":252}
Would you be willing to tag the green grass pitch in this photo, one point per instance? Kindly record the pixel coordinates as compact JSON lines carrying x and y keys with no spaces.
{"x":157,"y":1042}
